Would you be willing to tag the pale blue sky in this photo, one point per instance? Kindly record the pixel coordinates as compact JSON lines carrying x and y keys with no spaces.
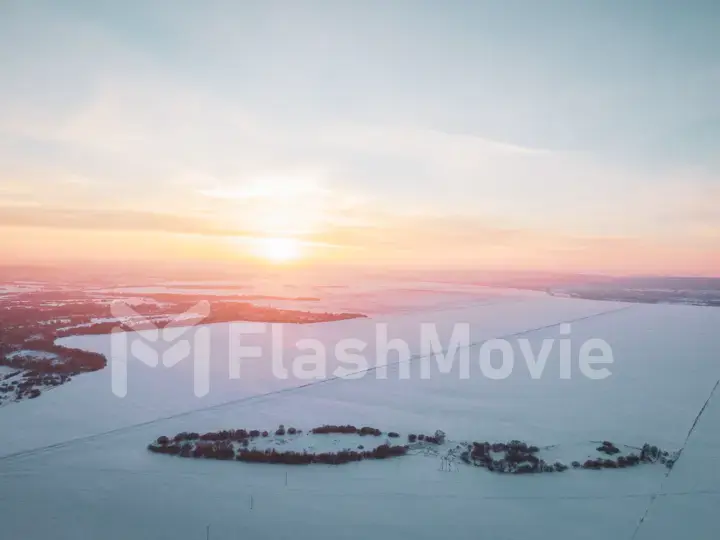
{"x":586,"y":118}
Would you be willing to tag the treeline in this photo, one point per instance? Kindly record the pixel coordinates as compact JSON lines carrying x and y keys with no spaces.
{"x":68,"y":361}
{"x":235,"y":311}
{"x":221,"y":445}
{"x":648,"y":454}
{"x":518,"y":457}
{"x":225,"y":450}
{"x":219,"y":312}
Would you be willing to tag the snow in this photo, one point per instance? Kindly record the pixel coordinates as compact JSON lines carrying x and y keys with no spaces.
{"x":374,"y":298}
{"x":4,"y":370}
{"x":80,"y":453}
{"x":133,"y":301}
{"x":8,"y":289}
{"x":688,"y":499}
{"x":32,"y":355}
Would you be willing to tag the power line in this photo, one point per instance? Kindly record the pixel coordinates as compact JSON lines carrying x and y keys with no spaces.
{"x":667,"y":474}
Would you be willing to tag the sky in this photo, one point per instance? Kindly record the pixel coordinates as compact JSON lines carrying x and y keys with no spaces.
{"x":557,"y":135}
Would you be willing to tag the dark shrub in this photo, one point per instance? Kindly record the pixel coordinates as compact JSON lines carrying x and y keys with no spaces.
{"x":421,"y":437}
{"x":385,"y":451}
{"x":335,"y":429}
{"x":254,"y":433}
{"x":292,"y":431}
{"x":163,"y":440}
{"x":280,"y":431}
{"x":479,"y":450}
{"x":202,"y":450}
{"x":265,"y":434}
{"x":412,"y":437}
{"x":393,"y":435}
{"x":645,"y":452}
{"x":608,"y":448}
{"x":576,"y":464}
{"x":173,"y":449}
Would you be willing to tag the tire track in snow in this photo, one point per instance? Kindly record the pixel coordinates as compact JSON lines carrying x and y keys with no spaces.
{"x":281,"y":391}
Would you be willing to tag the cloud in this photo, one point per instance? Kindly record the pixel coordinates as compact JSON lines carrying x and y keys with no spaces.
{"x":116,"y":220}
{"x":282,"y":184}
{"x":123,"y":129}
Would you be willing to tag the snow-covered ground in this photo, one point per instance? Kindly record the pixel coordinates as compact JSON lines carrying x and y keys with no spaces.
{"x":8,"y":289}
{"x":33,"y":356}
{"x":6,"y":370}
{"x":374,"y":298}
{"x":79,"y":453}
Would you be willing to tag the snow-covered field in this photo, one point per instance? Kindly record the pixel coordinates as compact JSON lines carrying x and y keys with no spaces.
{"x":6,"y":370}
{"x":74,"y":464}
{"x":8,"y":289}
{"x":381,"y":296}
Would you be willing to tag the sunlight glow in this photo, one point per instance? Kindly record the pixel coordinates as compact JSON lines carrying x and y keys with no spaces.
{"x":278,"y":250}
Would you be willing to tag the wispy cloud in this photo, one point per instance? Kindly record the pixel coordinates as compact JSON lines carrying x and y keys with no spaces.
{"x":385,"y":144}
{"x":119,"y":220}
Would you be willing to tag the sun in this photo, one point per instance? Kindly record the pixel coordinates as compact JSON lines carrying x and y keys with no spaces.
{"x":278,"y":250}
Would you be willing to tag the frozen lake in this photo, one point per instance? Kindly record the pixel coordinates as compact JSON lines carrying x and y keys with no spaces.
{"x":73,"y":464}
